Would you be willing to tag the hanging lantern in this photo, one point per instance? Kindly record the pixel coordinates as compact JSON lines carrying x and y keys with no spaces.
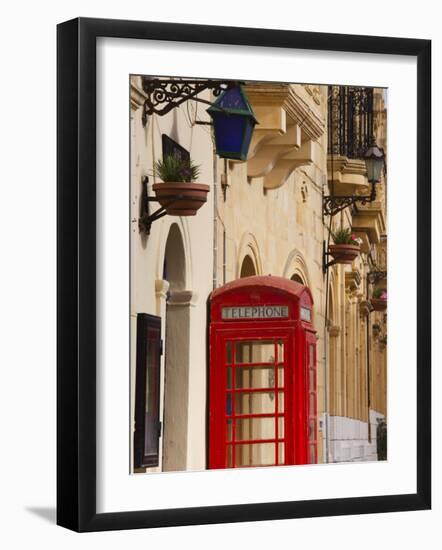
{"x":374,"y":161}
{"x":233,"y":123}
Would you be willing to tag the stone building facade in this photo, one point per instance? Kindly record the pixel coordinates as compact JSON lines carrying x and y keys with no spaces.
{"x":264,"y":216}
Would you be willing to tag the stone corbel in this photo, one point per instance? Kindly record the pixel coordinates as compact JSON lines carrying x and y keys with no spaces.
{"x":370,"y":219}
{"x":272,"y":123}
{"x":352,"y":280}
{"x":289,"y":124}
{"x":348,"y":176}
{"x":271,"y":150}
{"x":306,"y":155}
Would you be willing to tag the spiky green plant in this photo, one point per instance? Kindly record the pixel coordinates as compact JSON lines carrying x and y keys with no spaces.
{"x":174,"y":168}
{"x":344,"y":236}
{"x":380,"y":293}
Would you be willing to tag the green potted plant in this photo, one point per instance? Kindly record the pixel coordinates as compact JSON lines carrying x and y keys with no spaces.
{"x":178,"y":193}
{"x":379,"y":299}
{"x":346,"y":246}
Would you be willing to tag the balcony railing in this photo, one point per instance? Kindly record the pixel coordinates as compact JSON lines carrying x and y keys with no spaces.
{"x":350,"y":120}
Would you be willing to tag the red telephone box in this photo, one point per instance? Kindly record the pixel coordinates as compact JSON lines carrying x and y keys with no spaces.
{"x":263,"y":409}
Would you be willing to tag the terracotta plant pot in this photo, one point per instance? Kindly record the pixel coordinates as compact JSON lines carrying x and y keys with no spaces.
{"x":379,"y":304}
{"x":181,"y":198}
{"x":344,"y":253}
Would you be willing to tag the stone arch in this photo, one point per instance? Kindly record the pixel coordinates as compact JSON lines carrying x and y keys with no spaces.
{"x":249,"y":248}
{"x":296,"y":268}
{"x":174,"y":263}
{"x":177,"y":225}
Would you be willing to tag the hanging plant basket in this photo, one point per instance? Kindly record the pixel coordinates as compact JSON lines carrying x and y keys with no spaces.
{"x":181,"y":198}
{"x":379,"y":304}
{"x":344,"y":253}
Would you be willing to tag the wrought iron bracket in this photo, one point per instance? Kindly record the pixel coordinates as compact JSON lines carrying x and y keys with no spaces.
{"x":333,"y":204}
{"x":163,"y":95}
{"x":325,"y":254}
{"x":146,"y":219}
{"x":374,"y":277}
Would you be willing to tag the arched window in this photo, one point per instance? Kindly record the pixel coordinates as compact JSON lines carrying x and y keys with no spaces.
{"x":247,"y":267}
{"x":297,"y":278}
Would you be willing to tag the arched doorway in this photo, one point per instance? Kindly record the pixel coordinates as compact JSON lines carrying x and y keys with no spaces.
{"x":176,"y":349}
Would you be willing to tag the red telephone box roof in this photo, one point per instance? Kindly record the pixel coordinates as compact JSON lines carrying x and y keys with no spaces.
{"x":270,"y":281}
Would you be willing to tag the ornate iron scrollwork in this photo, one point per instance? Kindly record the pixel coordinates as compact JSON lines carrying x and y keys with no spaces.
{"x":350,"y":120}
{"x":332,"y":204}
{"x":163,"y":95}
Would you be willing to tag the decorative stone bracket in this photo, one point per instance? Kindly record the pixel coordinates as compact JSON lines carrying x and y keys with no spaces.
{"x":287,"y":134}
{"x":352,"y":280}
{"x":370,"y":219}
{"x":306,"y":155}
{"x":347,"y":176}
{"x":365,"y":308}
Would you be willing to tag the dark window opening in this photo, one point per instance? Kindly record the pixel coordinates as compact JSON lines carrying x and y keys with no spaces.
{"x":172,"y":148}
{"x":147,"y":391}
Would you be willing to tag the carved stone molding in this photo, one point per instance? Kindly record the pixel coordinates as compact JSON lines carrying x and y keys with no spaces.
{"x":137,"y":95}
{"x":161,"y":288}
{"x":315,"y":92}
{"x":310,"y":121}
{"x":348,"y":176}
{"x":182,"y":298}
{"x":288,"y":96}
{"x":370,"y":219}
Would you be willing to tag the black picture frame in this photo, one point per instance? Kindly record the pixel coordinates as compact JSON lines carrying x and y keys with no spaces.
{"x":76,"y":274}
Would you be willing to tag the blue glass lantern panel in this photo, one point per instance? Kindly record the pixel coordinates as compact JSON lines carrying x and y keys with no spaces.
{"x":250,"y":124}
{"x":232,"y":99}
{"x":229,"y":134}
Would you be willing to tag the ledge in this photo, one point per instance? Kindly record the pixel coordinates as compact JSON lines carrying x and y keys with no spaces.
{"x":348,"y":176}
{"x":370,"y":219}
{"x":288,"y":97}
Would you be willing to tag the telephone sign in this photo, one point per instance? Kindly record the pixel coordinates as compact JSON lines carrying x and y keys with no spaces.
{"x":255,"y":312}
